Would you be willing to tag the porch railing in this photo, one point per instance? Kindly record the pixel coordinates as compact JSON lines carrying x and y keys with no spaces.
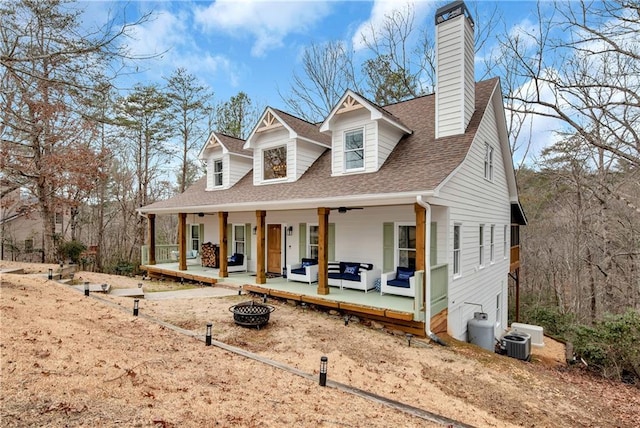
{"x":439,"y":287}
{"x":163,"y":253}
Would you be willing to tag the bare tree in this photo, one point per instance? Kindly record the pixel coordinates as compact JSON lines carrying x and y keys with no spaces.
{"x":582,"y":67}
{"x":327,"y":72}
{"x":49,"y":68}
{"x":237,"y":116}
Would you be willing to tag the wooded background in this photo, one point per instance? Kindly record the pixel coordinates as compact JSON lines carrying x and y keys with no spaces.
{"x":78,"y":143}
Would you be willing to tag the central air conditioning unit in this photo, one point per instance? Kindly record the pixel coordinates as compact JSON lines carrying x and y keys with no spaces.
{"x":517,"y":345}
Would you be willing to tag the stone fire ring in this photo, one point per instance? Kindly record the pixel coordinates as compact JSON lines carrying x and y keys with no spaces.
{"x":251,"y":314}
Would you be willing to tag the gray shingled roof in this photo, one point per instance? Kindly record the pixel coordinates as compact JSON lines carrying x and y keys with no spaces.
{"x":418,"y":164}
{"x":233,"y":144}
{"x":303,"y":128}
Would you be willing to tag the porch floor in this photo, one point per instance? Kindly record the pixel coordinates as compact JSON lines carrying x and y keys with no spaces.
{"x":391,"y":311}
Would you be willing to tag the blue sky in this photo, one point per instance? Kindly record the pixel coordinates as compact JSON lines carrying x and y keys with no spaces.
{"x":255,"y":46}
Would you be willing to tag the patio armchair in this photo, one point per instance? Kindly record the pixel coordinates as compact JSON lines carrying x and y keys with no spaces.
{"x":236,"y":263}
{"x":400,"y":282}
{"x":306,"y":271}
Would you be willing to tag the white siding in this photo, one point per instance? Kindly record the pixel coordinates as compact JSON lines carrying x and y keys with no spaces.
{"x":271,"y":139}
{"x":473,"y":200}
{"x":233,"y":168}
{"x":455,"y":88}
{"x":238,"y":167}
{"x":305,"y":155}
{"x":351,"y":121}
{"x":388,"y":137}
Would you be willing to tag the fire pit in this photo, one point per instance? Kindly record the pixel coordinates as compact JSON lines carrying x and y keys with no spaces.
{"x":251,"y":314}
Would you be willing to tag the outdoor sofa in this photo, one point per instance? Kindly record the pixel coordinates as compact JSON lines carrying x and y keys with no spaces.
{"x":236,"y":263}
{"x":358,"y":276}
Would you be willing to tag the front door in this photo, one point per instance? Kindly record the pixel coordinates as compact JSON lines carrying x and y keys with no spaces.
{"x":274,"y":248}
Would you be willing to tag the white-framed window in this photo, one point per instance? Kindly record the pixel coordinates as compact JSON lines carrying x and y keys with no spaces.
{"x":238,"y":238}
{"x":195,"y":237}
{"x":481,"y":245}
{"x":488,"y":162}
{"x":274,"y":165}
{"x":406,"y":245}
{"x":505,"y":249}
{"x":217,"y":172}
{"x":492,"y":243}
{"x":313,"y":241}
{"x":354,"y":150}
{"x":498,"y":310}
{"x":457,"y":239}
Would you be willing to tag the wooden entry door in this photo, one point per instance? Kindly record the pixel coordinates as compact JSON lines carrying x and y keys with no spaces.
{"x":274,"y":249}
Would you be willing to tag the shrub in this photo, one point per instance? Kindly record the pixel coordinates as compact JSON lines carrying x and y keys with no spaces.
{"x":612,"y":346}
{"x":554,"y":323}
{"x":71,"y":250}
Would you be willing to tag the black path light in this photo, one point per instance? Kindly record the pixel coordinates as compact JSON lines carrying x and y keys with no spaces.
{"x":323,"y":370}
{"x":208,"y":336}
{"x":409,"y":337}
{"x":50,"y":273}
{"x":136,"y":304}
{"x":86,"y":288}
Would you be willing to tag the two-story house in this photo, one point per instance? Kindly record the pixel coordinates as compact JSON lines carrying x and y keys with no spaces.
{"x":425,"y":184}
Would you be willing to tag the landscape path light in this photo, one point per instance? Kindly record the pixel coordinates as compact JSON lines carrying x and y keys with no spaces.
{"x":50,"y":273}
{"x":86,"y":288}
{"x":208,"y":336}
{"x":136,"y":303}
{"x":323,"y":370}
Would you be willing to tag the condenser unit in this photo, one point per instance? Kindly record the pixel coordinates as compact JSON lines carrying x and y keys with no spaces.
{"x":517,"y":345}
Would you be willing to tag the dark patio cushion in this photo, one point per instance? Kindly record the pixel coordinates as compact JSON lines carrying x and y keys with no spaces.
{"x":404,"y":273}
{"x":235,"y":260}
{"x":309,"y":262}
{"x":335,"y":275}
{"x":299,"y":271}
{"x":399,"y":283}
{"x":351,"y":277}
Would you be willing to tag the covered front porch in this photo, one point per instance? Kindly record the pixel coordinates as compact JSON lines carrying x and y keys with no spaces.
{"x":394,"y":312}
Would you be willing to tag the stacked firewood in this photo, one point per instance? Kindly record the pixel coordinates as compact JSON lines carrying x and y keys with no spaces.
{"x":209,"y":255}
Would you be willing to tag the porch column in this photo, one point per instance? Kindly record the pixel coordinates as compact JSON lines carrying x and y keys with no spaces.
{"x":261,"y":277}
{"x":323,"y":250}
{"x":182,"y":241}
{"x":222,"y":226}
{"x":421,"y":243}
{"x":152,"y":238}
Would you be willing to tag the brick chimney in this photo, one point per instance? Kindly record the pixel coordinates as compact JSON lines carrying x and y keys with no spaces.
{"x":455,"y":81}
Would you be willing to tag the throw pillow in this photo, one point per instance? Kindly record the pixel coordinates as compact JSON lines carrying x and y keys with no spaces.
{"x":231,"y":259}
{"x":351,"y":269}
{"x":404,"y":274}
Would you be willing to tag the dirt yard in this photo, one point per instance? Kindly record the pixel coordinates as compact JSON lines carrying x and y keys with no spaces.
{"x":71,"y":360}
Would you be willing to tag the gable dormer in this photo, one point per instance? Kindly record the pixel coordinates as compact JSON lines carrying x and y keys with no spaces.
{"x":284,"y":147}
{"x":226,"y":161}
{"x":362,"y":135}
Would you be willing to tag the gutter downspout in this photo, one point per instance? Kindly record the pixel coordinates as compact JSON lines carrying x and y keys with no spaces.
{"x":427,"y":273}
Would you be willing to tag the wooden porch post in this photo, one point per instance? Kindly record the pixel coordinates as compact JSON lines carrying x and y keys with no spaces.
{"x":261,"y":277}
{"x":323,"y":250}
{"x":421,"y":242}
{"x":152,"y":238}
{"x":182,"y":241}
{"x":222,"y":230}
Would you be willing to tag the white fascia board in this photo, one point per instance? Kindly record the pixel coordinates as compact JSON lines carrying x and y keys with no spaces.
{"x":355,"y":200}
{"x":507,"y":157}
{"x":328,"y":146}
{"x":247,"y":144}
{"x":206,"y":144}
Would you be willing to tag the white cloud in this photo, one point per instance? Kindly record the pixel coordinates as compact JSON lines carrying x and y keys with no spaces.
{"x":269,"y":22}
{"x":384,"y":8}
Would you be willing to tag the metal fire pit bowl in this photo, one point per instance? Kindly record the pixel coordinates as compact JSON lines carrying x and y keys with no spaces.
{"x":251,"y":314}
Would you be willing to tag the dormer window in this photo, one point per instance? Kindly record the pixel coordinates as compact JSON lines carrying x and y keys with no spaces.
{"x":275,"y":163}
{"x":217,"y":172}
{"x":354,"y":150}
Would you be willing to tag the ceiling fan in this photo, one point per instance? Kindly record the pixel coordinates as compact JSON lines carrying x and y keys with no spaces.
{"x":345,"y":209}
